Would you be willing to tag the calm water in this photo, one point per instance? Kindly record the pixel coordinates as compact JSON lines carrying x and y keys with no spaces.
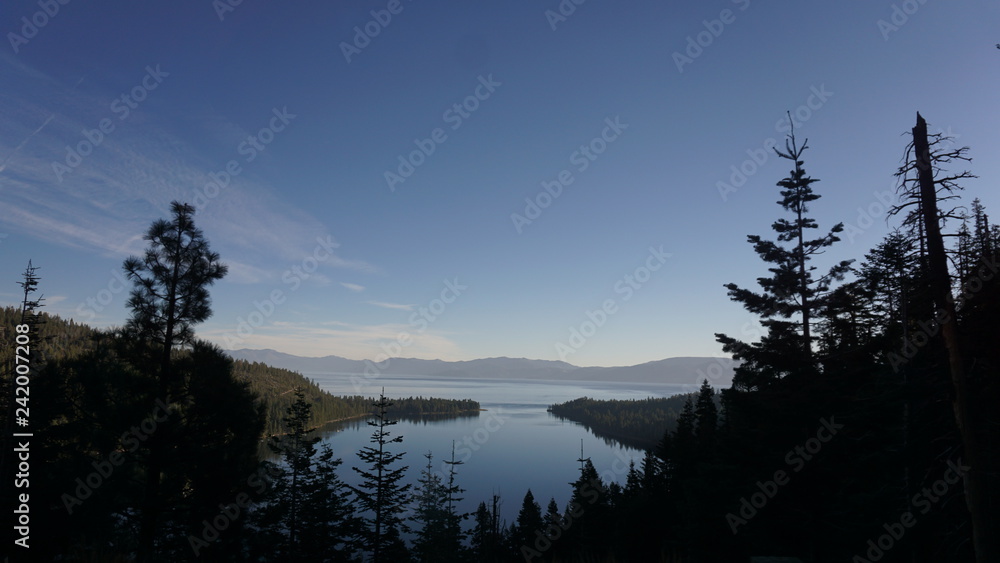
{"x":510,"y":447}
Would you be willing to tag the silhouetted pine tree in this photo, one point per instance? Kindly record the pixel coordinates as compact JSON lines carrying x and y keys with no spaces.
{"x":588,"y":515}
{"x":170,"y":296}
{"x":528,"y":528}
{"x":489,"y":537}
{"x":683,"y":444}
{"x":707,"y":420}
{"x":329,"y":527}
{"x":791,"y":290}
{"x":437,"y":537}
{"x":382,"y":496}
{"x":297,"y":449}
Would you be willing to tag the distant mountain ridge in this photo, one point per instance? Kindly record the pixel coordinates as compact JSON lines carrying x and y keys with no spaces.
{"x":680,"y":370}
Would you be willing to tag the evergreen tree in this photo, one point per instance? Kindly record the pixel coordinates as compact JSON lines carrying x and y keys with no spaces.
{"x":171,"y":282}
{"x":553,"y":517}
{"x":633,"y":479}
{"x":489,"y":533}
{"x":297,"y":449}
{"x":683,"y":443}
{"x":707,"y":417}
{"x":170,"y":296}
{"x":791,"y":290}
{"x":436,"y":539}
{"x":382,"y":496}
{"x":527,"y":528}
{"x":452,"y":533}
{"x":588,"y":512}
{"x":327,"y":520}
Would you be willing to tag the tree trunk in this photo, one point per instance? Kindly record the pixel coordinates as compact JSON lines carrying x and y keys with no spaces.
{"x":941,"y":287}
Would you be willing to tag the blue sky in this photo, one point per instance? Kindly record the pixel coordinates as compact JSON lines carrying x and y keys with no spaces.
{"x":280,"y":123}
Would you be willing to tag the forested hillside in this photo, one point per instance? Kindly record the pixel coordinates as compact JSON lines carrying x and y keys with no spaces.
{"x":276,"y":387}
{"x":639,"y":423}
{"x":60,"y":339}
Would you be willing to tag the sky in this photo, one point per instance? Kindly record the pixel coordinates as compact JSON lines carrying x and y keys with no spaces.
{"x":567,"y":180}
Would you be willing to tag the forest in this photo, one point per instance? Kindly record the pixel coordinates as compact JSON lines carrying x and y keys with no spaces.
{"x":859,"y":427}
{"x":635,"y":423}
{"x":273,"y":387}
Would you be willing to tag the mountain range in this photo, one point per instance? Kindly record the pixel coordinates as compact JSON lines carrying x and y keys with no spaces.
{"x":681,"y":370}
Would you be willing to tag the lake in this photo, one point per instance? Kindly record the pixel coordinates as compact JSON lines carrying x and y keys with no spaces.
{"x":513,"y":445}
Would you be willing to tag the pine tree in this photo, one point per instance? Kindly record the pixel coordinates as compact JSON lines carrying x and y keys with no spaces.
{"x":683,"y":444}
{"x":171,"y":284}
{"x":435,"y":540}
{"x":170,"y":296}
{"x":588,"y":511}
{"x":489,"y":533}
{"x":791,"y":290}
{"x":382,"y":496}
{"x":553,"y":517}
{"x":452,"y":533}
{"x":527,"y":528}
{"x":327,"y":520}
{"x":29,"y":315}
{"x":707,"y":417}
{"x":633,"y":479}
{"x":297,"y":448}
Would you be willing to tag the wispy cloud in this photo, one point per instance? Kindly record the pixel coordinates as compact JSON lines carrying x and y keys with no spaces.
{"x":109,"y":198}
{"x":391,"y":305}
{"x":18,"y":148}
{"x":353,"y":286}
